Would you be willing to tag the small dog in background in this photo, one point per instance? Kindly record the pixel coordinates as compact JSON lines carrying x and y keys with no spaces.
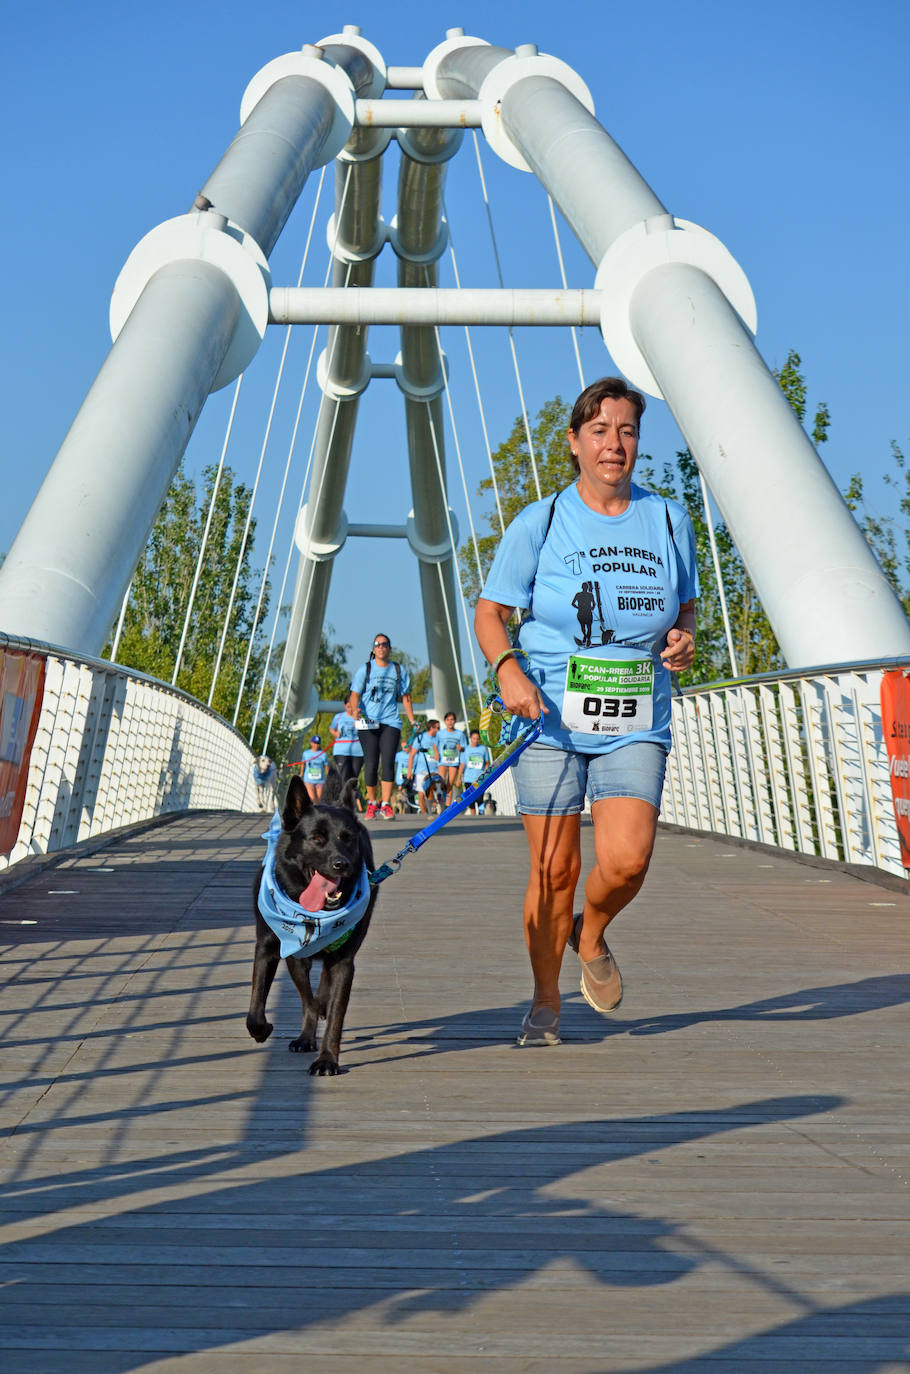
{"x":313,"y":900}
{"x":265,"y":775}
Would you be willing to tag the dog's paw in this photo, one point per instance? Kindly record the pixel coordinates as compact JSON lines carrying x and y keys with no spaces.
{"x":303,"y":1044}
{"x":259,"y":1030}
{"x":324,"y":1066}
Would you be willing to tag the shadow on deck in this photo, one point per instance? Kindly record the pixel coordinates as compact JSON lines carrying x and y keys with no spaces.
{"x":715,"y":1178}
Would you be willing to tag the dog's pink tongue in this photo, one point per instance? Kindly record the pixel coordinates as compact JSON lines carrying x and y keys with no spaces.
{"x":314,"y":895}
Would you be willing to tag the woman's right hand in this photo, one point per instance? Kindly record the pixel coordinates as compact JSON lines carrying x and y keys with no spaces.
{"x":519,"y":694}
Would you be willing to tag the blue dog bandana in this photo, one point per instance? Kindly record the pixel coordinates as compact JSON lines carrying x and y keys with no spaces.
{"x":305,"y":933}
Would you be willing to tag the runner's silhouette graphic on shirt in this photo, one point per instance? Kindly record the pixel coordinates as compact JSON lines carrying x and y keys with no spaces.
{"x":584,"y":602}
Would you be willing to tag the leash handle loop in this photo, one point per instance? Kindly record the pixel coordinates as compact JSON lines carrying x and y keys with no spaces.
{"x":495,"y":707}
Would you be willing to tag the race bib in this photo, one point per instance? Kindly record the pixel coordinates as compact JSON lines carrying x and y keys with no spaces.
{"x":450,"y":753}
{"x":364,"y":723}
{"x":606,"y":696}
{"x":475,"y":761}
{"x":313,"y":772}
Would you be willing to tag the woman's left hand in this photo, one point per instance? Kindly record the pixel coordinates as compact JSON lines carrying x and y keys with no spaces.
{"x":680,"y":651}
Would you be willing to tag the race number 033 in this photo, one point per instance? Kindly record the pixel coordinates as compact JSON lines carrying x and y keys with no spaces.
{"x":610,"y":706}
{"x":608,"y":696}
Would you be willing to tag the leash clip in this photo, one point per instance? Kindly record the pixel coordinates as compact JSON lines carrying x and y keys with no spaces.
{"x":390,"y":869}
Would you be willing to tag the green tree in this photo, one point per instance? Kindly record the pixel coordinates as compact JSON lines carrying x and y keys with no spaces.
{"x":888,"y":538}
{"x":754,"y":641}
{"x":162,"y":585}
{"x":792,"y":383}
{"x":516,"y":485}
{"x":680,"y":481}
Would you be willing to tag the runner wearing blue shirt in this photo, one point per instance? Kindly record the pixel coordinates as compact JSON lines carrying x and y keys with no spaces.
{"x":378,"y":686}
{"x":399,"y":800}
{"x":477,"y":757}
{"x":314,"y":763}
{"x":452,"y":744}
{"x":347,"y":754}
{"x":401,"y":766}
{"x":606,"y":572}
{"x":423,"y":761}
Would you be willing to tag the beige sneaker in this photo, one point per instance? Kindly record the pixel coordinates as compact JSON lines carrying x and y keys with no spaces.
{"x":601,"y":980}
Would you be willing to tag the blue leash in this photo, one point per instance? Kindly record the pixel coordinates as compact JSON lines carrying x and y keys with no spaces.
{"x":525,"y":736}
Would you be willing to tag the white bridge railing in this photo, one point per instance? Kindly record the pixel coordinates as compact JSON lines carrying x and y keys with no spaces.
{"x":797,"y":760}
{"x":113,"y":748}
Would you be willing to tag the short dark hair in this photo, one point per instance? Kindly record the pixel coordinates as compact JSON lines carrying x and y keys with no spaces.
{"x":431,"y":721}
{"x":589,"y":403}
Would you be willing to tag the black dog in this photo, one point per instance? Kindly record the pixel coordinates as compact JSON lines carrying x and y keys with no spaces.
{"x":319,"y":859}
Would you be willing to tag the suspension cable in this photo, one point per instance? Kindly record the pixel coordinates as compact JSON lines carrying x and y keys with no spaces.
{"x":483,"y":418}
{"x":322,"y":476}
{"x":307,"y":471}
{"x":468,"y":627}
{"x":565,"y":285}
{"x":521,"y":394}
{"x":243,"y":541}
{"x":287,"y":566}
{"x":252,"y":502}
{"x":291,"y":547}
{"x":464,"y":482}
{"x":451,"y":629}
{"x":718,"y":575}
{"x":280,"y":502}
{"x":300,"y":499}
{"x":119,"y":630}
{"x":464,"y":486}
{"x":203,"y":545}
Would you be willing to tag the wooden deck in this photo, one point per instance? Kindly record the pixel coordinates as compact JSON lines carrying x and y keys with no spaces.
{"x":715,"y":1179}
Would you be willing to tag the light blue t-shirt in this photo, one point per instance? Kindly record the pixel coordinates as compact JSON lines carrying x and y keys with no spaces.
{"x":347,"y":742}
{"x":476,"y":758}
{"x":451,"y":743}
{"x":314,"y":765}
{"x":427,"y":757}
{"x":379,"y":701}
{"x":401,"y":766}
{"x":595,"y":579}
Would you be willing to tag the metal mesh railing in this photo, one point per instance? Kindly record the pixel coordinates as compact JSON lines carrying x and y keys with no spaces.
{"x":796,"y":760}
{"x":113,"y":747}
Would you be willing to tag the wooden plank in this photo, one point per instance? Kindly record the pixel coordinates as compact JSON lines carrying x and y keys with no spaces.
{"x":714,"y":1178}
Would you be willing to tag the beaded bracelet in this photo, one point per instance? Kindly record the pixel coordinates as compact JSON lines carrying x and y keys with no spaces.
{"x":507,"y":653}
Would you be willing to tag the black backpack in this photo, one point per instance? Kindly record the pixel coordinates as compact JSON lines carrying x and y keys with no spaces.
{"x":366,"y":680}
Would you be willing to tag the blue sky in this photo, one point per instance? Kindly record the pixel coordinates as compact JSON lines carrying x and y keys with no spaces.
{"x":782,"y":129}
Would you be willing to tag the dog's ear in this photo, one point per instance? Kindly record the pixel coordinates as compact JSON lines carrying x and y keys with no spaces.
{"x":348,"y":793}
{"x":296,"y":803}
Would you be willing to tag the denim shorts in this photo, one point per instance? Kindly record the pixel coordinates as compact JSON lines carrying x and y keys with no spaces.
{"x":553,"y":782}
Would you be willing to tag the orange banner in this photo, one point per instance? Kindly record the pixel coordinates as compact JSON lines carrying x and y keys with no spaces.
{"x":896,"y":729}
{"x":21,"y":692}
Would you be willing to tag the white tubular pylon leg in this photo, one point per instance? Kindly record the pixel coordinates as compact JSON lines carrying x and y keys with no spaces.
{"x":677,"y":318}
{"x":420,"y":237}
{"x":356,"y":235}
{"x":187,"y":316}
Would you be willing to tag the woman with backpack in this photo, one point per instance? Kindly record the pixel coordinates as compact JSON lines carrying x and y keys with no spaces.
{"x":605,"y":698}
{"x":378,"y":687}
